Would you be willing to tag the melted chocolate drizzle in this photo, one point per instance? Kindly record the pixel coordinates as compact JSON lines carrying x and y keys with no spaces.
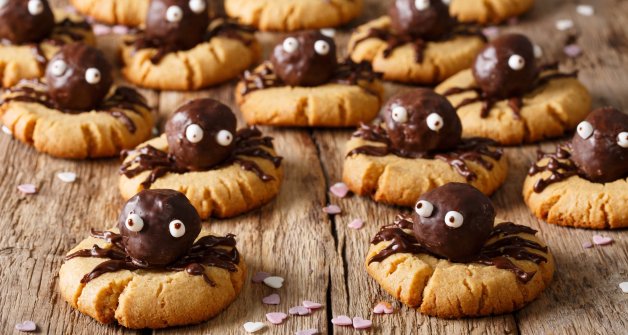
{"x":497,"y":253}
{"x":473,"y":149}
{"x":249,"y":142}
{"x":206,"y":251}
{"x":559,"y":164}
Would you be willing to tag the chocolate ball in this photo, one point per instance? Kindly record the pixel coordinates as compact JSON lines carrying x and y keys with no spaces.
{"x":506,"y":67}
{"x":420,"y":121}
{"x":453,"y":221}
{"x":178,"y":24}
{"x":201,"y":134}
{"x":158,"y":227}
{"x":25,"y":21}
{"x":600,"y":145}
{"x":305,"y":59}
{"x":79,"y":77}
{"x":427,"y":19}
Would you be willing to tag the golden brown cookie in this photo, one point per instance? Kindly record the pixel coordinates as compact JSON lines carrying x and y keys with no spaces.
{"x":124,"y":12}
{"x":488,"y":11}
{"x":549,"y":111}
{"x":147,"y":299}
{"x":19,"y":62}
{"x":291,"y":15}
{"x":440,"y":61}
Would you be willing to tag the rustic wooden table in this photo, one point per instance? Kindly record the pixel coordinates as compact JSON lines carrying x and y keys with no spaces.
{"x":320,"y":257}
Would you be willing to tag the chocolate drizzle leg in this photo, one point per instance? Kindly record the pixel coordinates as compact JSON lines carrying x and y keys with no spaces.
{"x":558,"y":163}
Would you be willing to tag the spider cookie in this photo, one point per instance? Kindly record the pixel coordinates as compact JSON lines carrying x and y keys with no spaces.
{"x":419,"y":147}
{"x":30,"y":34}
{"x":75,"y":112}
{"x":488,"y":11}
{"x":452,"y":259}
{"x":507,"y":97}
{"x":222,"y":171}
{"x":291,"y":15}
{"x":584,"y":183}
{"x":182,"y":48}
{"x":157,"y":269}
{"x":303,"y":84}
{"x":418,"y":42}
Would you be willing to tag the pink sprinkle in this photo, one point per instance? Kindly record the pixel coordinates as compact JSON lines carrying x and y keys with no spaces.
{"x":339,"y":189}
{"x":101,"y":29}
{"x":602,"y":240}
{"x":260,"y":276}
{"x":26,"y":326}
{"x":573,"y":50}
{"x":342,"y":320}
{"x":359,"y":323}
{"x":120,"y":30}
{"x":311,"y":304}
{"x":356,"y":224}
{"x":332,"y":210}
{"x":272,"y":299}
{"x":312,"y":331}
{"x":587,"y":245}
{"x":276,"y":318}
{"x":383,"y":307}
{"x":27,"y":188}
{"x":299,"y":310}
{"x":490,"y":32}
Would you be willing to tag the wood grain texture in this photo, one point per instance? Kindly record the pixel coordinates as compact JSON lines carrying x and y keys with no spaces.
{"x":321,"y":259}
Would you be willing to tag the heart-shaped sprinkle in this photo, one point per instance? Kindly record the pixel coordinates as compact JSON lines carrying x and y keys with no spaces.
{"x":329,"y":32}
{"x":276,"y":318}
{"x":7,"y":131}
{"x":573,"y":50}
{"x":312,"y":331}
{"x":274,"y":281}
{"x":359,"y":323}
{"x":383,"y":307}
{"x":26,"y":326}
{"x":272,"y":299}
{"x":67,"y":177}
{"x":120,"y":30}
{"x":585,"y":10}
{"x":311,"y":304}
{"x":538,"y":51}
{"x":332,"y":210}
{"x":27,"y":188}
{"x":602,"y":240}
{"x":624,"y":286}
{"x":342,"y":320}
{"x":339,"y":189}
{"x":299,"y":310}
{"x":101,"y":29}
{"x":356,"y":224}
{"x":563,"y":25}
{"x":260,"y":276}
{"x":252,"y":327}
{"x":587,"y":245}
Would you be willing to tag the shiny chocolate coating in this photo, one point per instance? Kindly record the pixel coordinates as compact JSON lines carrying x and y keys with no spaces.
{"x":506,"y":67}
{"x":201,"y":134}
{"x":154,"y":245}
{"x":305,"y":59}
{"x":598,"y":155}
{"x":456,"y":244}
{"x":430,"y":20}
{"x":430,"y":122}
{"x":79,"y":77}
{"x":25,"y":21}
{"x":178,"y":24}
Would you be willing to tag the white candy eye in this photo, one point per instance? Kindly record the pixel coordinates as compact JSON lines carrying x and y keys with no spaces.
{"x":134,"y":223}
{"x":424,"y":208}
{"x":585,"y":129}
{"x":516,"y":62}
{"x":174,"y":14}
{"x":198,"y":6}
{"x":622,"y":139}
{"x":224,"y":138}
{"x":290,"y":45}
{"x":194,"y":133}
{"x":58,"y":67}
{"x":177,"y":228}
{"x":435,"y":122}
{"x":3,"y":3}
{"x":92,"y":76}
{"x":454,"y":219}
{"x":321,"y":47}
{"x":399,"y":114}
{"x":35,"y":7}
{"x":422,"y":4}
{"x":447,"y":2}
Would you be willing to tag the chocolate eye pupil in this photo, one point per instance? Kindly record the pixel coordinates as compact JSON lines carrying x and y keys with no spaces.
{"x":177,"y":225}
{"x":130,"y":222}
{"x":451,"y":219}
{"x":420,"y":205}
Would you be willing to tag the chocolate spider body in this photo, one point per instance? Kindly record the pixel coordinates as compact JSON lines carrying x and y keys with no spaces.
{"x":25,"y":21}
{"x":180,"y":24}
{"x":426,"y":19}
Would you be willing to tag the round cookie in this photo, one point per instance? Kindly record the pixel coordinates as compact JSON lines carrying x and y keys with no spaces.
{"x":292,"y":15}
{"x":488,"y":11}
{"x":125,"y":12}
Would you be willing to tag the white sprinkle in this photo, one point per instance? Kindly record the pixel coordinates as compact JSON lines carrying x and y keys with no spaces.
{"x":27,"y":188}
{"x":624,"y":286}
{"x":585,"y":10}
{"x":7,"y":131}
{"x":563,"y":25}
{"x":329,"y":32}
{"x":252,"y":327}
{"x":274,"y":282}
{"x":538,"y":51}
{"x":67,"y":177}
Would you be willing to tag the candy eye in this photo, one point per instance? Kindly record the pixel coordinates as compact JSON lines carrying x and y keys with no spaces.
{"x":422,"y":4}
{"x":447,"y":2}
{"x":399,"y":114}
{"x":58,"y":67}
{"x":224,"y":138}
{"x":194,"y":133}
{"x":435,"y":122}
{"x":174,"y":14}
{"x":516,"y":62}
{"x":3,"y":3}
{"x":321,"y":47}
{"x":35,"y":7}
{"x":585,"y":129}
{"x":177,"y":228}
{"x":453,"y":219}
{"x":134,"y":223}
{"x":290,"y":45}
{"x":622,"y":139}
{"x":424,"y":208}
{"x":92,"y":76}
{"x":198,"y":6}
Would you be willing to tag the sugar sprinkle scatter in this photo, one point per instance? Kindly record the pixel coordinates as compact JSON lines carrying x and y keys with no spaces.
{"x":356,"y":224}
{"x":563,"y":25}
{"x":585,"y":10}
{"x":252,"y":327}
{"x":67,"y":177}
{"x":26,"y":326}
{"x":340,"y":190}
{"x":27,"y":188}
{"x":602,"y":240}
{"x":332,"y":210}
